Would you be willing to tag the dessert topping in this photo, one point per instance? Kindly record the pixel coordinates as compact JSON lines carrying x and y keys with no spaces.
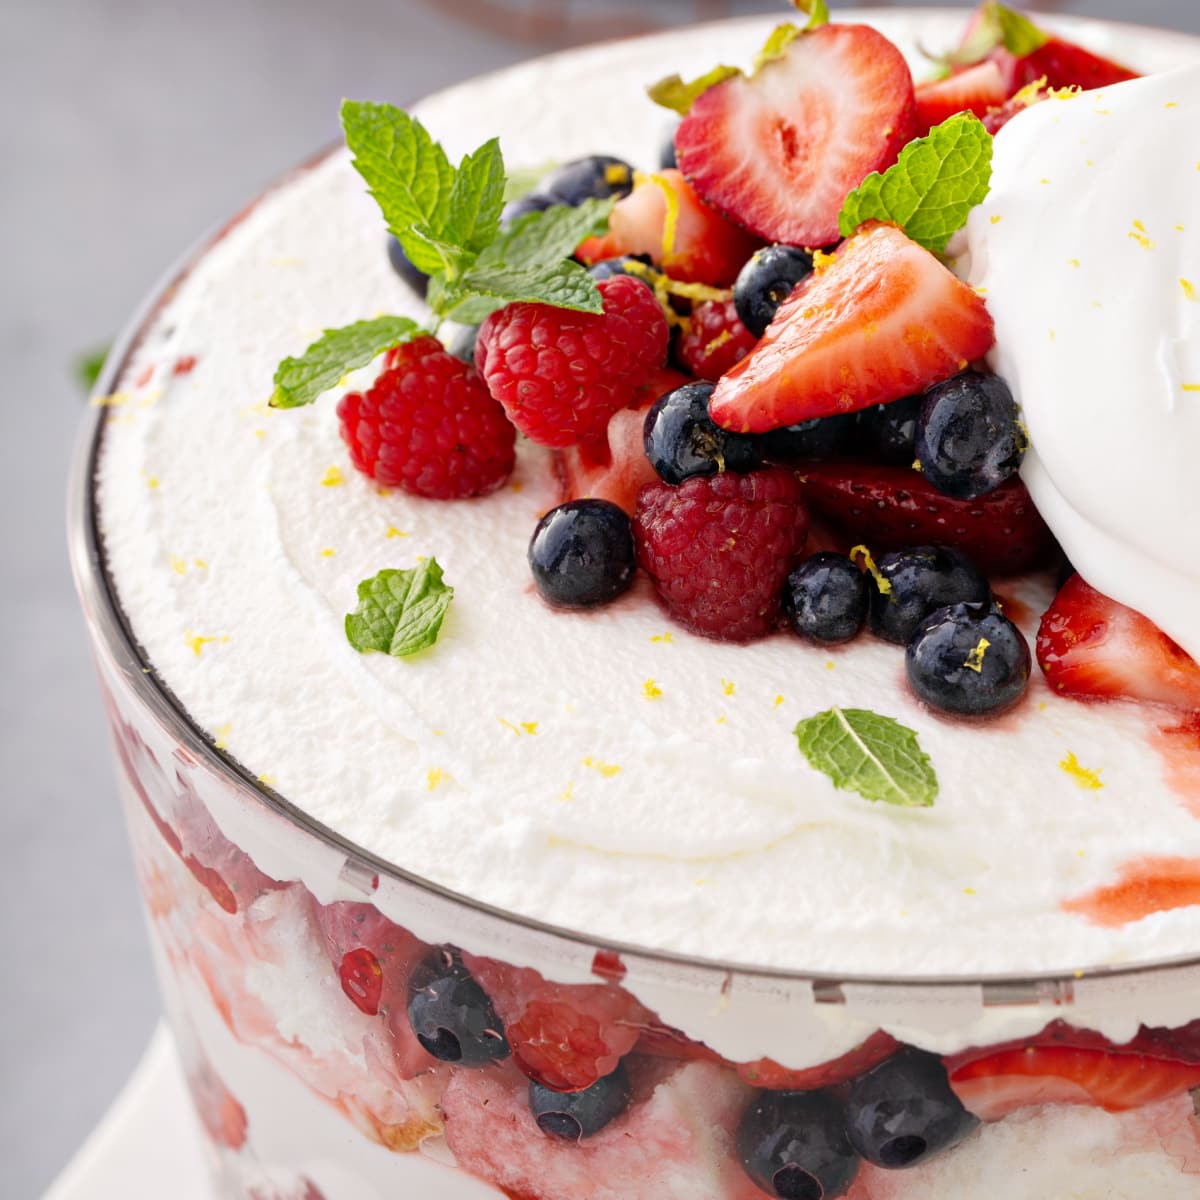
{"x":400,"y":612}
{"x":872,"y":755}
{"x":932,"y":186}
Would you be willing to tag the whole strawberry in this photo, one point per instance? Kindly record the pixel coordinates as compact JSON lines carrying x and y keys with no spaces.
{"x":429,"y":426}
{"x":719,"y":548}
{"x":561,"y":374}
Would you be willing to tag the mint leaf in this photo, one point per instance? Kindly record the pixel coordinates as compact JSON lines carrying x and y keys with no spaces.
{"x":546,"y":238}
{"x":399,"y":612}
{"x":673,"y":93}
{"x":406,"y":171}
{"x":301,"y":380}
{"x":88,"y":366}
{"x":476,"y":198}
{"x":483,"y":291}
{"x":931,"y":187}
{"x":875,"y":756}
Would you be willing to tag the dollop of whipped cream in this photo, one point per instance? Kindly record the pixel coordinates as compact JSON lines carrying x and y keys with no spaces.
{"x":1088,"y":253}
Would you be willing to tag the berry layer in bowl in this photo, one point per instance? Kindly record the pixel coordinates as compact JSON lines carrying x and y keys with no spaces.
{"x":350,"y":1029}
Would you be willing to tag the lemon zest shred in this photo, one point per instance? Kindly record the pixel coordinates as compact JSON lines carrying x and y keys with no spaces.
{"x":651,"y":690}
{"x":608,"y":770}
{"x":332,"y":477}
{"x":974,"y":660}
{"x":1189,"y":289}
{"x":1087,"y":778}
{"x":883,"y":584}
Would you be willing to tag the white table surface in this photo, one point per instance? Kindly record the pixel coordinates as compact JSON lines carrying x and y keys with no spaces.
{"x":130,"y":128}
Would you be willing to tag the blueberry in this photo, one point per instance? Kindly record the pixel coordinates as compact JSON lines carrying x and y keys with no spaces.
{"x":625,"y":264}
{"x":593,"y":178}
{"x":916,"y":581}
{"x":581,"y":554}
{"x":403,"y":266}
{"x":462,"y":342}
{"x":666,"y":149}
{"x":822,"y":437}
{"x":969,"y":436}
{"x":451,"y":1015}
{"x":575,"y":1115}
{"x":825,"y":598}
{"x":530,"y":202}
{"x":969,"y":660}
{"x":766,"y":281}
{"x":887,"y":432}
{"x":682,"y":440}
{"x":794,"y":1146}
{"x":903,"y":1111}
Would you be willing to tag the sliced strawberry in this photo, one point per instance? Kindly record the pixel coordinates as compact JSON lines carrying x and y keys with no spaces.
{"x":882,"y":320}
{"x":1091,"y":646}
{"x":888,"y":508}
{"x":979,"y":89}
{"x":780,"y":151}
{"x":664,"y":1041}
{"x":664,"y":218}
{"x":1064,"y":64}
{"x":766,"y":1073}
{"x":615,"y":467}
{"x":1180,"y":1045}
{"x":994,"y":1086}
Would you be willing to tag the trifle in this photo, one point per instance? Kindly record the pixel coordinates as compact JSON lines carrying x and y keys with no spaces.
{"x":723,"y":721}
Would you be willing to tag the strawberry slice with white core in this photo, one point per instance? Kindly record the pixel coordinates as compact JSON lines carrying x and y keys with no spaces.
{"x":664,"y":219}
{"x":780,"y":151}
{"x":615,"y":466}
{"x":994,"y":1086}
{"x":880,"y":320}
{"x":1089,"y":645}
{"x":978,"y":89}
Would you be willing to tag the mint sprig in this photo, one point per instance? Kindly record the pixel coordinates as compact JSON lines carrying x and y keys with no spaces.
{"x":875,"y":756}
{"x":447,"y":219}
{"x":400,"y":612}
{"x":931,"y":187}
{"x":337,"y":351}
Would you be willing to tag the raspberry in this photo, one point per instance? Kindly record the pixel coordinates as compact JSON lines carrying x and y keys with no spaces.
{"x":429,"y":426}
{"x":715,"y":340}
{"x":565,"y":1037}
{"x":561,"y":374}
{"x":719,"y":548}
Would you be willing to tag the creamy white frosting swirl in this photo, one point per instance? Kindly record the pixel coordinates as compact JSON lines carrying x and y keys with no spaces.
{"x":1088,"y":251}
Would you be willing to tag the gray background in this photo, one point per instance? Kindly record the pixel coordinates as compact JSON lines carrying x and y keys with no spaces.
{"x":129,"y":128}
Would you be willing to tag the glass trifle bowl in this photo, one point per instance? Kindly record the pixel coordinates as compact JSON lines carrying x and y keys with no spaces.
{"x":392,"y":988}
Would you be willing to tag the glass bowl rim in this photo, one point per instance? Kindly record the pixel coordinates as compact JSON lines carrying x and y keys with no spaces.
{"x":110,"y":629}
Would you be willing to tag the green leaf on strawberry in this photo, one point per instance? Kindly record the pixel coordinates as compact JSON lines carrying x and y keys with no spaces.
{"x":301,"y":380}
{"x":875,"y":756}
{"x":679,"y":96}
{"x":932,"y":186}
{"x":400,"y":612}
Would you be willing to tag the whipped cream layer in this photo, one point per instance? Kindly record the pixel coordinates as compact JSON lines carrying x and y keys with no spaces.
{"x":1088,"y":250}
{"x":606,"y":772}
